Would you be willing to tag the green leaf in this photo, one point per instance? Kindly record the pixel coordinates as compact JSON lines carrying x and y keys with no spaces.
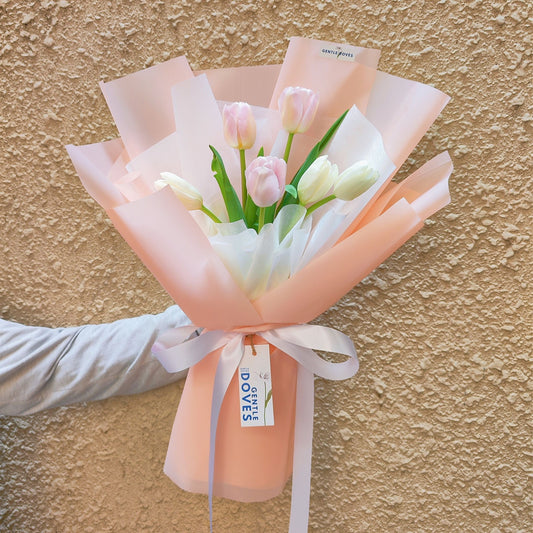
{"x":251,"y":213}
{"x":261,"y":152}
{"x":313,"y":154}
{"x":231,"y":200}
{"x":291,"y":189}
{"x":268,"y":398}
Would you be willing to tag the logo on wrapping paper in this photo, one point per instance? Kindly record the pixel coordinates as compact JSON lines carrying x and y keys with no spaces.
{"x":255,"y":387}
{"x":343,"y":53}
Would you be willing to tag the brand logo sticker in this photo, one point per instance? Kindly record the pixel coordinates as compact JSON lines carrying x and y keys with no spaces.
{"x":342,"y":53}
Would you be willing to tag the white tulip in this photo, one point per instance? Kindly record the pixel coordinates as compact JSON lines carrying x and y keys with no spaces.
{"x":317,"y":181}
{"x":187,"y":193}
{"x":355,"y":180}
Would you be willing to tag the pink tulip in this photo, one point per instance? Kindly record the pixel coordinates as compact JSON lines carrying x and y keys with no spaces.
{"x":239,"y":125}
{"x":265,"y":180}
{"x":298,"y":108}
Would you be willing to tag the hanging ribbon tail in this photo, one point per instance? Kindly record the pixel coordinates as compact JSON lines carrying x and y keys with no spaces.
{"x":227,"y":365}
{"x":303,"y":450}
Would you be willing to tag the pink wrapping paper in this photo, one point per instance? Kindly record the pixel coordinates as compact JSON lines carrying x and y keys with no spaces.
{"x":118,"y":174}
{"x":235,"y":468}
{"x":141,"y":105}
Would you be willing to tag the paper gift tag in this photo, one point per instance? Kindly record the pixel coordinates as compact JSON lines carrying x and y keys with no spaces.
{"x":255,"y":387}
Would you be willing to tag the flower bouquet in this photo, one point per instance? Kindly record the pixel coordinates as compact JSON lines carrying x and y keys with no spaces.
{"x":259,"y":196}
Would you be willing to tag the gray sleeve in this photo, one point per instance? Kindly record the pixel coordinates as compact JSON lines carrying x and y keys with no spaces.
{"x":42,"y":367}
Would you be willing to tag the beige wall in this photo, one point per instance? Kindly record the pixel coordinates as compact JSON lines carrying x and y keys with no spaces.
{"x":432,"y":434}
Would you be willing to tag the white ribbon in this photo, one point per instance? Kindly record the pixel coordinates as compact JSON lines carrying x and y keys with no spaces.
{"x":298,"y":342}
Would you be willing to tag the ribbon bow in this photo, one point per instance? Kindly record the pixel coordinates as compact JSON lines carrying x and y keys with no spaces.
{"x":298,"y":342}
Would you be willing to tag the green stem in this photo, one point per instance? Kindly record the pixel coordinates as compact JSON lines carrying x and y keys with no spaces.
{"x":210,"y":214}
{"x":320,"y":203}
{"x":244,"y":191}
{"x":261,"y":218}
{"x":288,"y":147}
{"x":265,"y":408}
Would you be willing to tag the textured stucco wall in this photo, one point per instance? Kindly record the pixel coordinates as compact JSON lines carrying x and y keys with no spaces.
{"x":433,"y":434}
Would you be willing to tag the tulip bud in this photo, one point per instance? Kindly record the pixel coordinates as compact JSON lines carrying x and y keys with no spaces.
{"x":317,"y":181}
{"x":355,"y":180}
{"x":298,"y":108}
{"x":239,"y":125}
{"x":188,"y":194}
{"x":265,"y":180}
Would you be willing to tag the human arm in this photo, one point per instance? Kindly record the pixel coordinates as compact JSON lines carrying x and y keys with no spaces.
{"x":41,"y":368}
